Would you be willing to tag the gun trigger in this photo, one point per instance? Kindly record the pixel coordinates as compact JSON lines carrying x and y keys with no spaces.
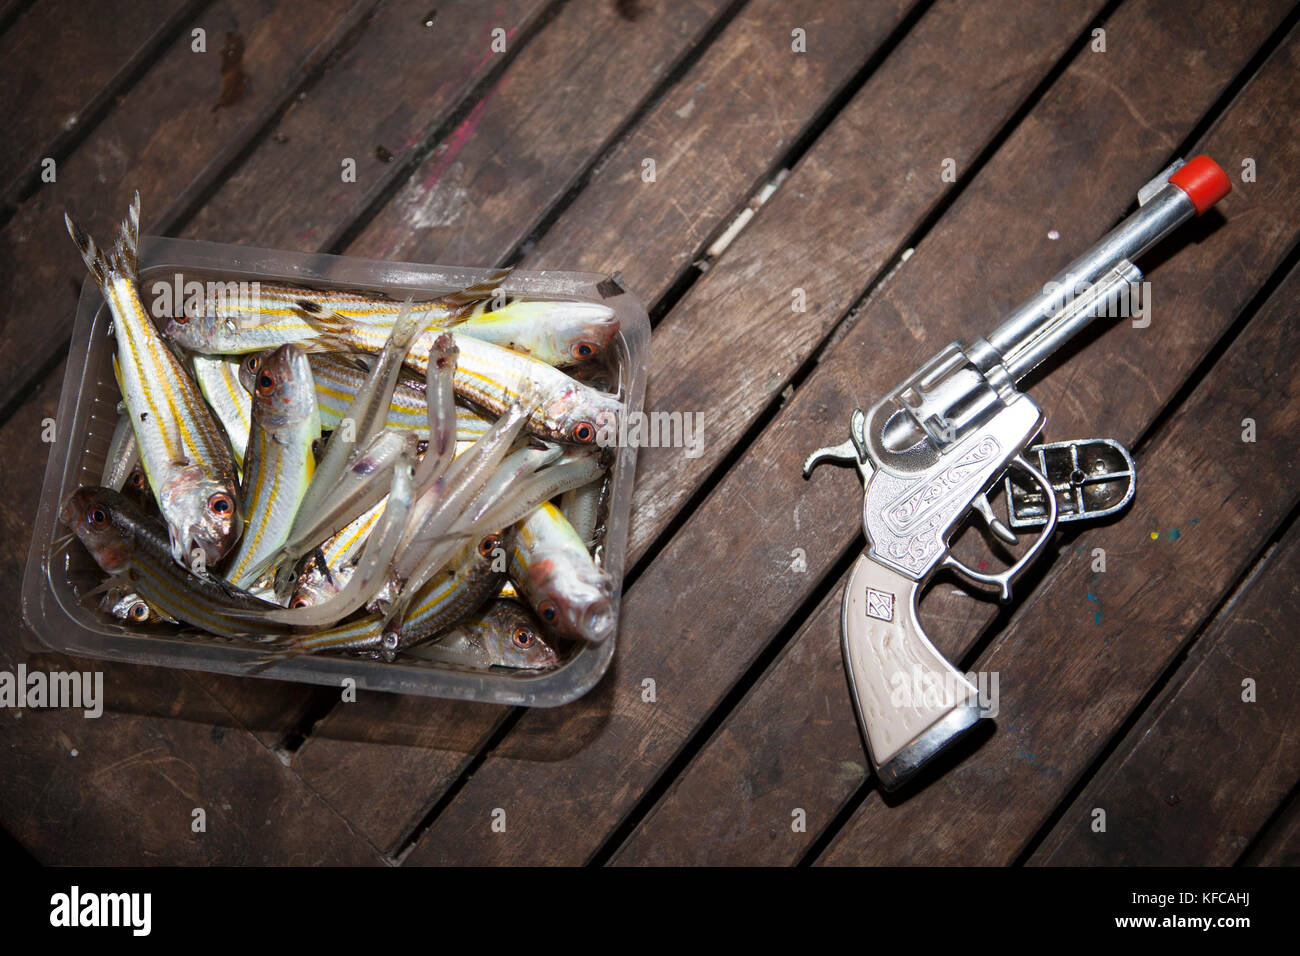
{"x":1003,"y":579}
{"x":994,"y":523}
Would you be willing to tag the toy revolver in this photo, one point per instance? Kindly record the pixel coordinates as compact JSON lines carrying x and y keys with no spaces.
{"x":933,"y":448}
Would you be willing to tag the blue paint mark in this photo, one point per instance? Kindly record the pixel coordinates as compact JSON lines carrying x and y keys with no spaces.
{"x":1175,"y":534}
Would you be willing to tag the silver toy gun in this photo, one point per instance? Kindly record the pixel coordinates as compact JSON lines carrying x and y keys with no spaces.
{"x":931,"y":450}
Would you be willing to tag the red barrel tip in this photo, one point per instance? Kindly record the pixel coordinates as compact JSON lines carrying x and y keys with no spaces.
{"x":1203,"y":180}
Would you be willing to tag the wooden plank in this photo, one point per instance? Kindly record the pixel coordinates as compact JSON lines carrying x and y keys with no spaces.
{"x":993,"y":238}
{"x":1201,"y":773}
{"x":378,"y":104}
{"x":569,"y":776}
{"x":121,"y":789}
{"x":714,"y":138}
{"x":1280,"y":844}
{"x":60,"y":66}
{"x":1066,"y":690}
{"x":527,"y":142}
{"x":432,"y":741}
{"x":169,"y":139}
{"x":284,"y":38}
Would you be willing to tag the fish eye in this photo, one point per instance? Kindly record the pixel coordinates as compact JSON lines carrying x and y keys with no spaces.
{"x":549,"y":612}
{"x":265,"y":383}
{"x":98,"y":517}
{"x":139,"y":611}
{"x":137,"y":479}
{"x":221,"y":503}
{"x":301,"y":602}
{"x":584,"y":350}
{"x":523,"y":638}
{"x":251,"y":363}
{"x":183,"y":318}
{"x":488,"y":546}
{"x":584,"y":432}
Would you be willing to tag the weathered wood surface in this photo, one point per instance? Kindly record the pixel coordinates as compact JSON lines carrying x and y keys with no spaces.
{"x":528,"y":140}
{"x":1203,"y":771}
{"x":123,"y":788}
{"x":491,"y":161}
{"x":811,"y":756}
{"x":61,"y":65}
{"x":169,"y":138}
{"x":601,"y":753}
{"x":251,"y":783}
{"x":414,"y":735}
{"x":1279,"y":845}
{"x":378,"y":104}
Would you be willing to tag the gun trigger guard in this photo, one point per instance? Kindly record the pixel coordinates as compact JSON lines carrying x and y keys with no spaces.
{"x":1003,"y":579}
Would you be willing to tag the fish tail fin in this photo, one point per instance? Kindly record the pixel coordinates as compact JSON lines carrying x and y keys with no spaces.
{"x":127,"y":251}
{"x":96,"y":261}
{"x":283,"y":650}
{"x":473,"y":299}
{"x":122,"y":258}
{"x":331,"y":328}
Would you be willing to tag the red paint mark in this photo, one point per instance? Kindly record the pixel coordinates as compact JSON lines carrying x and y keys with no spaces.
{"x":309,"y":234}
{"x":457,"y":141}
{"x":982,"y":566}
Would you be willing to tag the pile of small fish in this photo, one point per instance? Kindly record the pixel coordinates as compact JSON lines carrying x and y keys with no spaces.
{"x":324,"y":471}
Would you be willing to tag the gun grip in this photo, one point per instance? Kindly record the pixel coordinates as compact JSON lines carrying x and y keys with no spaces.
{"x":911,"y":703}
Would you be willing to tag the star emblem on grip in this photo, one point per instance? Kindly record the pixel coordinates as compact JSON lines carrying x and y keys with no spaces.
{"x":880,"y":605}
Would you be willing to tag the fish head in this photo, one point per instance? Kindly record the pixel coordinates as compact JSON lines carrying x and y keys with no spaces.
{"x":131,"y":607}
{"x":584,"y":416}
{"x":572,"y":600}
{"x":248,"y":367}
{"x":514,"y":637}
{"x":97,"y":517}
{"x":200,"y":331}
{"x":283,"y":390}
{"x":315,"y":584}
{"x":556,"y":332}
{"x":201,"y":512}
{"x":583,"y":330}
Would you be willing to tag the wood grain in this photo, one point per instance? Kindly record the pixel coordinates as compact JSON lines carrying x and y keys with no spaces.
{"x":62,"y":63}
{"x":167,"y":139}
{"x":1201,"y":773}
{"x":567,"y":777}
{"x":714,"y":138}
{"x":121,"y":789}
{"x":1279,"y":845}
{"x":994,"y":238}
{"x":378,"y":104}
{"x":527,"y":141}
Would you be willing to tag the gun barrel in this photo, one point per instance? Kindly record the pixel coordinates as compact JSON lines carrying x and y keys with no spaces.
{"x":1082,"y":289}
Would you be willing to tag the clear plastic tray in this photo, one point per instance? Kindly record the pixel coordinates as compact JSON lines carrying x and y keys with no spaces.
{"x":87,"y":415}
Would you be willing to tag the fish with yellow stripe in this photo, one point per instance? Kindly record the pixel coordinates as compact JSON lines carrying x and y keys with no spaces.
{"x":258,"y":316}
{"x":279,"y":463}
{"x":495,"y":378}
{"x":218,"y":378}
{"x":185,"y":452}
{"x":135,"y":551}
